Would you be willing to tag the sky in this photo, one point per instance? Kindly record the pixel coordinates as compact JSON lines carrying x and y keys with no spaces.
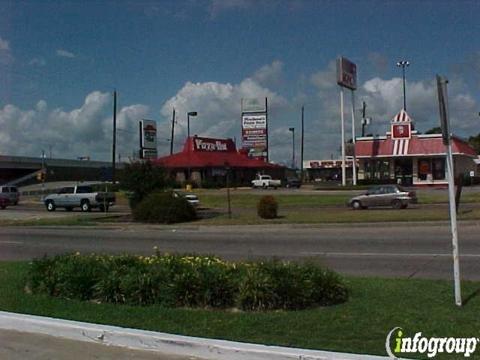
{"x":60,"y":62}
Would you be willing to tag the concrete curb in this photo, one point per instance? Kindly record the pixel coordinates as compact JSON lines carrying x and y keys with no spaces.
{"x":162,"y":342}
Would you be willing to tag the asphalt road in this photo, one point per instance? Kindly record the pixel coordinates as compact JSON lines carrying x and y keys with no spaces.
{"x":394,"y":250}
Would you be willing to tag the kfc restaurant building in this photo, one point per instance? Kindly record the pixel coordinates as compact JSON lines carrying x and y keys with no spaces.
{"x":405,"y":157}
{"x":206,"y":159}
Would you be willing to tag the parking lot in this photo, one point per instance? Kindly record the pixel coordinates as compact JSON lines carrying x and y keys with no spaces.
{"x":31,"y":208}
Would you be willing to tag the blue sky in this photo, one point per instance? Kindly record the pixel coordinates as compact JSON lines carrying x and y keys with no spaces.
{"x":60,"y":61}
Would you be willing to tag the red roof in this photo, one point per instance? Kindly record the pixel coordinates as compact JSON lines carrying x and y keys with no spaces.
{"x":207,"y":152}
{"x":416,"y":146}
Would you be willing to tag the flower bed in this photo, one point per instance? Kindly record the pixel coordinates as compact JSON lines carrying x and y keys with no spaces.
{"x":186,"y":281}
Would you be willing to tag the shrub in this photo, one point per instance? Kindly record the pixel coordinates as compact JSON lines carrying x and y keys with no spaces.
{"x":164,"y":208}
{"x":69,"y":276}
{"x":267,"y":207}
{"x":186,"y":281}
{"x":289,"y":286}
{"x":140,"y":179}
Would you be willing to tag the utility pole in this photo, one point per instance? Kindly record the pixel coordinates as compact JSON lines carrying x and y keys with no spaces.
{"x":301,"y":148}
{"x":364,"y":110}
{"x":173,"y":132}
{"x":44,"y":172}
{"x":114,"y":134}
{"x":292,"y":129}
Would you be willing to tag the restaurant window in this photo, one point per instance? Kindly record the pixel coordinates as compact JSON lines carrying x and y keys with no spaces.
{"x":438,"y":169}
{"x":377,"y":169}
{"x":383,"y":169}
{"x":423,"y":169}
{"x":368,"y":169}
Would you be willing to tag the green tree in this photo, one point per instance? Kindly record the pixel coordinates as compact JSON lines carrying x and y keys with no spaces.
{"x":435,"y":130}
{"x":142,"y":178}
{"x":474,"y":141}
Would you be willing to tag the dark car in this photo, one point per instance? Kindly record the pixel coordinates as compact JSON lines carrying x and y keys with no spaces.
{"x":384,"y":195}
{"x":190,"y":197}
{"x":4,"y":202}
{"x":293,"y":182}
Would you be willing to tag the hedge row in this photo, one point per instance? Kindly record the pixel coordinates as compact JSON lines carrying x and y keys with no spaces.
{"x":186,"y":281}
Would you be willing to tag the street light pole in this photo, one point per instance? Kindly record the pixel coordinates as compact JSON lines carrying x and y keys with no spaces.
{"x":191,"y":113}
{"x":292,"y":129}
{"x":403,"y":64}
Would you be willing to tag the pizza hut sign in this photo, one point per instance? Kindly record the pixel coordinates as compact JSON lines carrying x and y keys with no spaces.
{"x":210,"y":145}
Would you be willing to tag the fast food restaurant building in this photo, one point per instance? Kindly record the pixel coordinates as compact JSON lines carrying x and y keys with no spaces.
{"x":208,"y":159}
{"x":405,"y":157}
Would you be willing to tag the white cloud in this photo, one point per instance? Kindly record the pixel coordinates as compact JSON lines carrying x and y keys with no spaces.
{"x":37,"y":62}
{"x":6,"y":57}
{"x":4,"y":44}
{"x":86,"y":130}
{"x":325,"y":80}
{"x":65,"y":53}
{"x":384,"y":99}
{"x":218,"y":6}
{"x":218,"y":106}
{"x":379,"y":61}
{"x":269,"y":75}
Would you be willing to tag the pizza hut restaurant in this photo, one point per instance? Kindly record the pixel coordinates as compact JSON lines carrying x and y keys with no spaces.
{"x":405,"y":157}
{"x":208,"y":160}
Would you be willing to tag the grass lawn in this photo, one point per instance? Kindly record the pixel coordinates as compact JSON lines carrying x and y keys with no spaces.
{"x":316,"y":215}
{"x":321,"y":208}
{"x":70,"y":220}
{"x":360,"y":325}
{"x":242,"y":199}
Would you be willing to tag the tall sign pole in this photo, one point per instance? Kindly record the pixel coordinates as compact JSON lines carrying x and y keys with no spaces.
{"x":255,"y":127}
{"x":301,"y":148}
{"x":344,"y":172}
{"x":444,"y":121}
{"x":266,"y":126}
{"x":347,"y":77}
{"x":354,"y":160}
{"x":114,"y":134}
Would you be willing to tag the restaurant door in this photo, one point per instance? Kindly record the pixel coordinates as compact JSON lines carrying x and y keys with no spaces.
{"x":404,"y":171}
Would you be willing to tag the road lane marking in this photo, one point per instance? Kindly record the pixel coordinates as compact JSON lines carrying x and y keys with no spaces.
{"x":11,"y":242}
{"x":326,"y":253}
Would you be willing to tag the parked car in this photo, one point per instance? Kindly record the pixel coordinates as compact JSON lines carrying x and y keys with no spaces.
{"x":293,"y":182}
{"x":10,"y":192}
{"x":191,"y":198}
{"x":265,"y":181}
{"x":384,"y":195}
{"x":79,"y":196}
{"x":4,"y":202}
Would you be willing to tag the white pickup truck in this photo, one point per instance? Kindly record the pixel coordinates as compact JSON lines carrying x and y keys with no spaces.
{"x":79,"y":196}
{"x":265,"y":181}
